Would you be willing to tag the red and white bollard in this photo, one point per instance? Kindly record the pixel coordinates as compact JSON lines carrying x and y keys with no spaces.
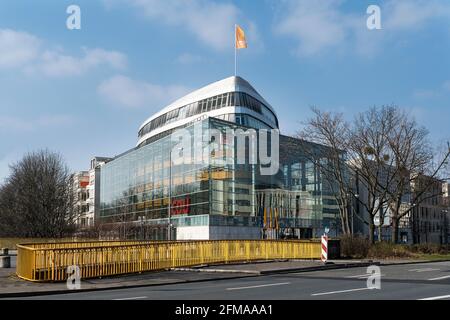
{"x":324,"y":255}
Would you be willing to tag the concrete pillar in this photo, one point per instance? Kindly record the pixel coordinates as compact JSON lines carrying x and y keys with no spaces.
{"x":5,"y":262}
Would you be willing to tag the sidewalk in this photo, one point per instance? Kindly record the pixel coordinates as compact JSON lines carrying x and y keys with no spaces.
{"x":11,"y":285}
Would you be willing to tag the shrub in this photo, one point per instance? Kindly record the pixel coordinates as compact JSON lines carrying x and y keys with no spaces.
{"x":358,"y":248}
{"x":430,"y":248}
{"x":354,"y":247}
{"x":386,"y":250}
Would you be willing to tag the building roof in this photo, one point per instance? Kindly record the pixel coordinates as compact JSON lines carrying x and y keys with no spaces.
{"x":230,"y":84}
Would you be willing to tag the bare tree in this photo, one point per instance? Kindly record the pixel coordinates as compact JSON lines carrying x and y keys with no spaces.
{"x":357,"y":151}
{"x":34,"y":201}
{"x":332,"y":135}
{"x":386,"y":153}
{"x":372,"y":162}
{"x":417,"y":169}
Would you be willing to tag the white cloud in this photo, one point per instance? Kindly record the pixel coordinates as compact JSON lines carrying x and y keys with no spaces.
{"x":188,"y":58}
{"x":446,"y":86}
{"x":413,"y":14}
{"x":23,"y":125}
{"x":440,"y":91}
{"x":425,"y":94}
{"x":54,"y":120}
{"x":316,"y":25}
{"x":17,"y":48}
{"x":254,"y":38}
{"x":129,"y":93}
{"x":8,"y":124}
{"x":57,"y":64}
{"x":325,"y":26}
{"x":26,"y":52}
{"x":211,"y":22}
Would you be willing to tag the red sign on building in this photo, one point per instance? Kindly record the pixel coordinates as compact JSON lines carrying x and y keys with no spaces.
{"x":180,"y":206}
{"x":84,"y":184}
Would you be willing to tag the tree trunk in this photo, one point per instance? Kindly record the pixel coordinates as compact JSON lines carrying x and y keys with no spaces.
{"x":380,"y":231}
{"x":371,"y":232}
{"x":344,"y":222}
{"x":342,"y":216}
{"x":347,"y":225}
{"x":395,"y":230}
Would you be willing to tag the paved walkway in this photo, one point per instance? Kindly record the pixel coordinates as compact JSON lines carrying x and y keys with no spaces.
{"x":11,"y":284}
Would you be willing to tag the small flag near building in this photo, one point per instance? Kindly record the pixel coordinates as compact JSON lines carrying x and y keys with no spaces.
{"x":241,"y":42}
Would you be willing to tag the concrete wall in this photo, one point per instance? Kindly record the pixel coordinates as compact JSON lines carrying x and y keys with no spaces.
{"x":193,"y":233}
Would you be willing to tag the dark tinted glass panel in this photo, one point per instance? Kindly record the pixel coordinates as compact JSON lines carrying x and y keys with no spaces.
{"x":231,"y":99}
{"x":237,"y":101}
{"x":219,"y":103}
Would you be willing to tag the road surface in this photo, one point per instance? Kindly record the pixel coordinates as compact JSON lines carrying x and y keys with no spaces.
{"x":413,"y":281}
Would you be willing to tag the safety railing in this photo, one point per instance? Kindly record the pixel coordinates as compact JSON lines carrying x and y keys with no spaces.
{"x":49,"y":261}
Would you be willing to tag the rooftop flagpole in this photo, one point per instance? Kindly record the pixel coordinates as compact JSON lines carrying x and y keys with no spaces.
{"x":235,"y":52}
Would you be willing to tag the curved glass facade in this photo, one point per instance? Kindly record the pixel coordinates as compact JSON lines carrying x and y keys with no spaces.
{"x":145,"y":185}
{"x":238,"y":99}
{"x":137,"y":183}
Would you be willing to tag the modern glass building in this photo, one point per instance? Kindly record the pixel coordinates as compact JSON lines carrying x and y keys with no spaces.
{"x":186,"y":178}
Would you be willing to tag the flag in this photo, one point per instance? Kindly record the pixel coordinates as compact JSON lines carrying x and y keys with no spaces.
{"x":265,"y":218}
{"x":241,"y":43}
{"x":276,"y":219}
{"x":270,"y":218}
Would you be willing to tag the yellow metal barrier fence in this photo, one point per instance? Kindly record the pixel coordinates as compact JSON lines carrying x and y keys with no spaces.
{"x":49,"y":261}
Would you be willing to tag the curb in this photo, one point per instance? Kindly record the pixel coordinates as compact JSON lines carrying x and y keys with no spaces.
{"x":329,"y":266}
{"x":413,"y":262}
{"x":321,"y":268}
{"x":216,"y":270}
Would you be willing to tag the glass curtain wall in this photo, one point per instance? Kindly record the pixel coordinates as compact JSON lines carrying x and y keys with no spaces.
{"x":135,"y":186}
{"x":217,"y":191}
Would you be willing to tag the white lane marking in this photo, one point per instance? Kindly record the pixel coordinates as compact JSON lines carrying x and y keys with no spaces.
{"x":358,"y":276}
{"x":424,"y":270}
{"x":367,"y":275}
{"x":436,"y":298}
{"x":340,"y":291}
{"x":132,"y":298}
{"x":440,"y":278}
{"x":260,"y":286}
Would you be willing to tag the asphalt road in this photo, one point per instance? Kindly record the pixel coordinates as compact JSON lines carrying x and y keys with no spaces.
{"x":414,"y":281}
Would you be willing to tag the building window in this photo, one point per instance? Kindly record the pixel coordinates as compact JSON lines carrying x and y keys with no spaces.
{"x":212,"y":103}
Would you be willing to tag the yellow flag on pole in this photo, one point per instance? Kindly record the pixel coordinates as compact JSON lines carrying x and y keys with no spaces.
{"x":241,"y":42}
{"x":265,"y":218}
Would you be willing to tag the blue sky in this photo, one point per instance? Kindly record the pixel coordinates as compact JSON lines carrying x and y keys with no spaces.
{"x":85,"y":92}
